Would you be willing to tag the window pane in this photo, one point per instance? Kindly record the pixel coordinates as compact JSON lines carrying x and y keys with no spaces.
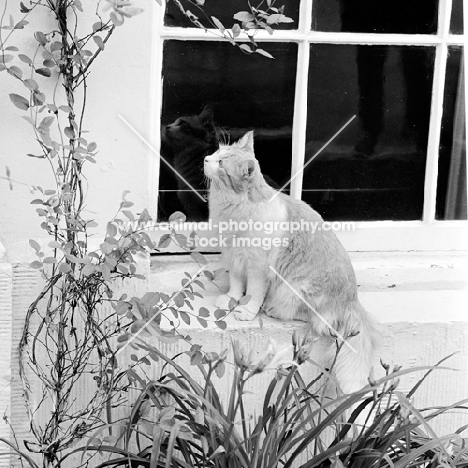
{"x":372,"y":16}
{"x":374,"y":170}
{"x":224,"y":11}
{"x":245,"y":92}
{"x":451,"y":183}
{"x":456,"y":21}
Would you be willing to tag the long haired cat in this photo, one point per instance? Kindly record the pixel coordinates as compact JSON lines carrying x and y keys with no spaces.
{"x":305,"y":275}
{"x":185,"y":143}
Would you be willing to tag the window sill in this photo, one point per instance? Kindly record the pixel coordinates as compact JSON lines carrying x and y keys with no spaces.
{"x":415,"y":287}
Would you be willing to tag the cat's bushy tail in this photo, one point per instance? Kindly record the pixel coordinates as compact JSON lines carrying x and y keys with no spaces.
{"x":354,"y":362}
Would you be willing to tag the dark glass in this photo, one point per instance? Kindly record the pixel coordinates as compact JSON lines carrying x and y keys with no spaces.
{"x":451,"y":182}
{"x":245,"y":92}
{"x":376,"y":16}
{"x":224,"y":11}
{"x":374,"y":170}
{"x":456,"y":20}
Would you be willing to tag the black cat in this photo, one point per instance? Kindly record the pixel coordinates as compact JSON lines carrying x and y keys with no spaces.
{"x":185,"y":143}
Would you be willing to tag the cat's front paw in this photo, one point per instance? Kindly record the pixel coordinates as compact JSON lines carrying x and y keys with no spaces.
{"x":246,"y":312}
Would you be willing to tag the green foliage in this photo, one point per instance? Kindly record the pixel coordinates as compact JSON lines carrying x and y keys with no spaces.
{"x":242,"y":33}
{"x":179,"y":420}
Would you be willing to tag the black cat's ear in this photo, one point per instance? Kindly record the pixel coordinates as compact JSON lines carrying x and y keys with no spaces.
{"x":247,"y":141}
{"x":248,"y":169}
{"x":206,"y":114}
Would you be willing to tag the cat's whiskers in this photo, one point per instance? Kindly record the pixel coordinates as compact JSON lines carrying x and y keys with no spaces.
{"x":224,"y":138}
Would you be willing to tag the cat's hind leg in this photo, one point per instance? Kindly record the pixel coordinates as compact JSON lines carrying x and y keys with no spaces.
{"x":287,"y":301}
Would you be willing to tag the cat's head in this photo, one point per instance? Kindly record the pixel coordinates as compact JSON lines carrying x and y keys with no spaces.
{"x":234,"y":167}
{"x":188,"y":131}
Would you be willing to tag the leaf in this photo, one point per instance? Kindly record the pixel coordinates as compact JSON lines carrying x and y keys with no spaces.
{"x":244,"y":300}
{"x":203,"y":312}
{"x":219,"y":313}
{"x":236,"y":30}
{"x":66,"y":109}
{"x":246,"y":48}
{"x":69,"y":132}
{"x":117,"y":20}
{"x":46,"y":122}
{"x":25,"y":59}
{"x":19,"y":101}
{"x":185,"y":317}
{"x":199,"y":258}
{"x":40,"y":37}
{"x":35,"y":245}
{"x":92,"y":146}
{"x":221,"y":324}
{"x":31,"y":84}
{"x":177,"y":217}
{"x":6,"y":58}
{"x":43,"y":71}
{"x":111,"y":230}
{"x":36,"y":265}
{"x":264,"y":53}
{"x":244,"y":16}
{"x":208,"y":274}
{"x":164,"y":241}
{"x":202,"y":322}
{"x":15,"y":71}
{"x":99,"y":42}
{"x":218,"y":24}
{"x":179,"y":299}
{"x":64,"y":268}
{"x":21,"y":24}
{"x":181,"y":240}
{"x":48,"y":63}
{"x":23,"y":8}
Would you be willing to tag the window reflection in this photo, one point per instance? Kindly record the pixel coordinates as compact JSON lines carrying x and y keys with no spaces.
{"x":244,"y":93}
{"x":456,"y":20}
{"x":451,"y":184}
{"x":375,"y":169}
{"x":373,"y":16}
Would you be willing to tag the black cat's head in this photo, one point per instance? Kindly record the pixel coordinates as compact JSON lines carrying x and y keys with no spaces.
{"x":195,"y":130}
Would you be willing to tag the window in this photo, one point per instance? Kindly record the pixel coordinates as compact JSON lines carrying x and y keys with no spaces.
{"x":398,"y":168}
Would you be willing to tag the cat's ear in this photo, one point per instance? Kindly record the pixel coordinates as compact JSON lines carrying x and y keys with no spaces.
{"x":247,"y":169}
{"x":247,"y":141}
{"x":206,"y":114}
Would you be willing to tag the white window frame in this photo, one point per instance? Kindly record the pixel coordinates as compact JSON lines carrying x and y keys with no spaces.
{"x":428,"y":234}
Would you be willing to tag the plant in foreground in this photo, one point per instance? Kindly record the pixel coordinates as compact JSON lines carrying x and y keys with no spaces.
{"x":180,"y":420}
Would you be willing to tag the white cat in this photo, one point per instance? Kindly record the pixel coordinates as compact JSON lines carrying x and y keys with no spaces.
{"x":304,"y":275}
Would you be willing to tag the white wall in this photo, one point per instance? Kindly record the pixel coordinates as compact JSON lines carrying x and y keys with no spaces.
{"x":119,"y":83}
